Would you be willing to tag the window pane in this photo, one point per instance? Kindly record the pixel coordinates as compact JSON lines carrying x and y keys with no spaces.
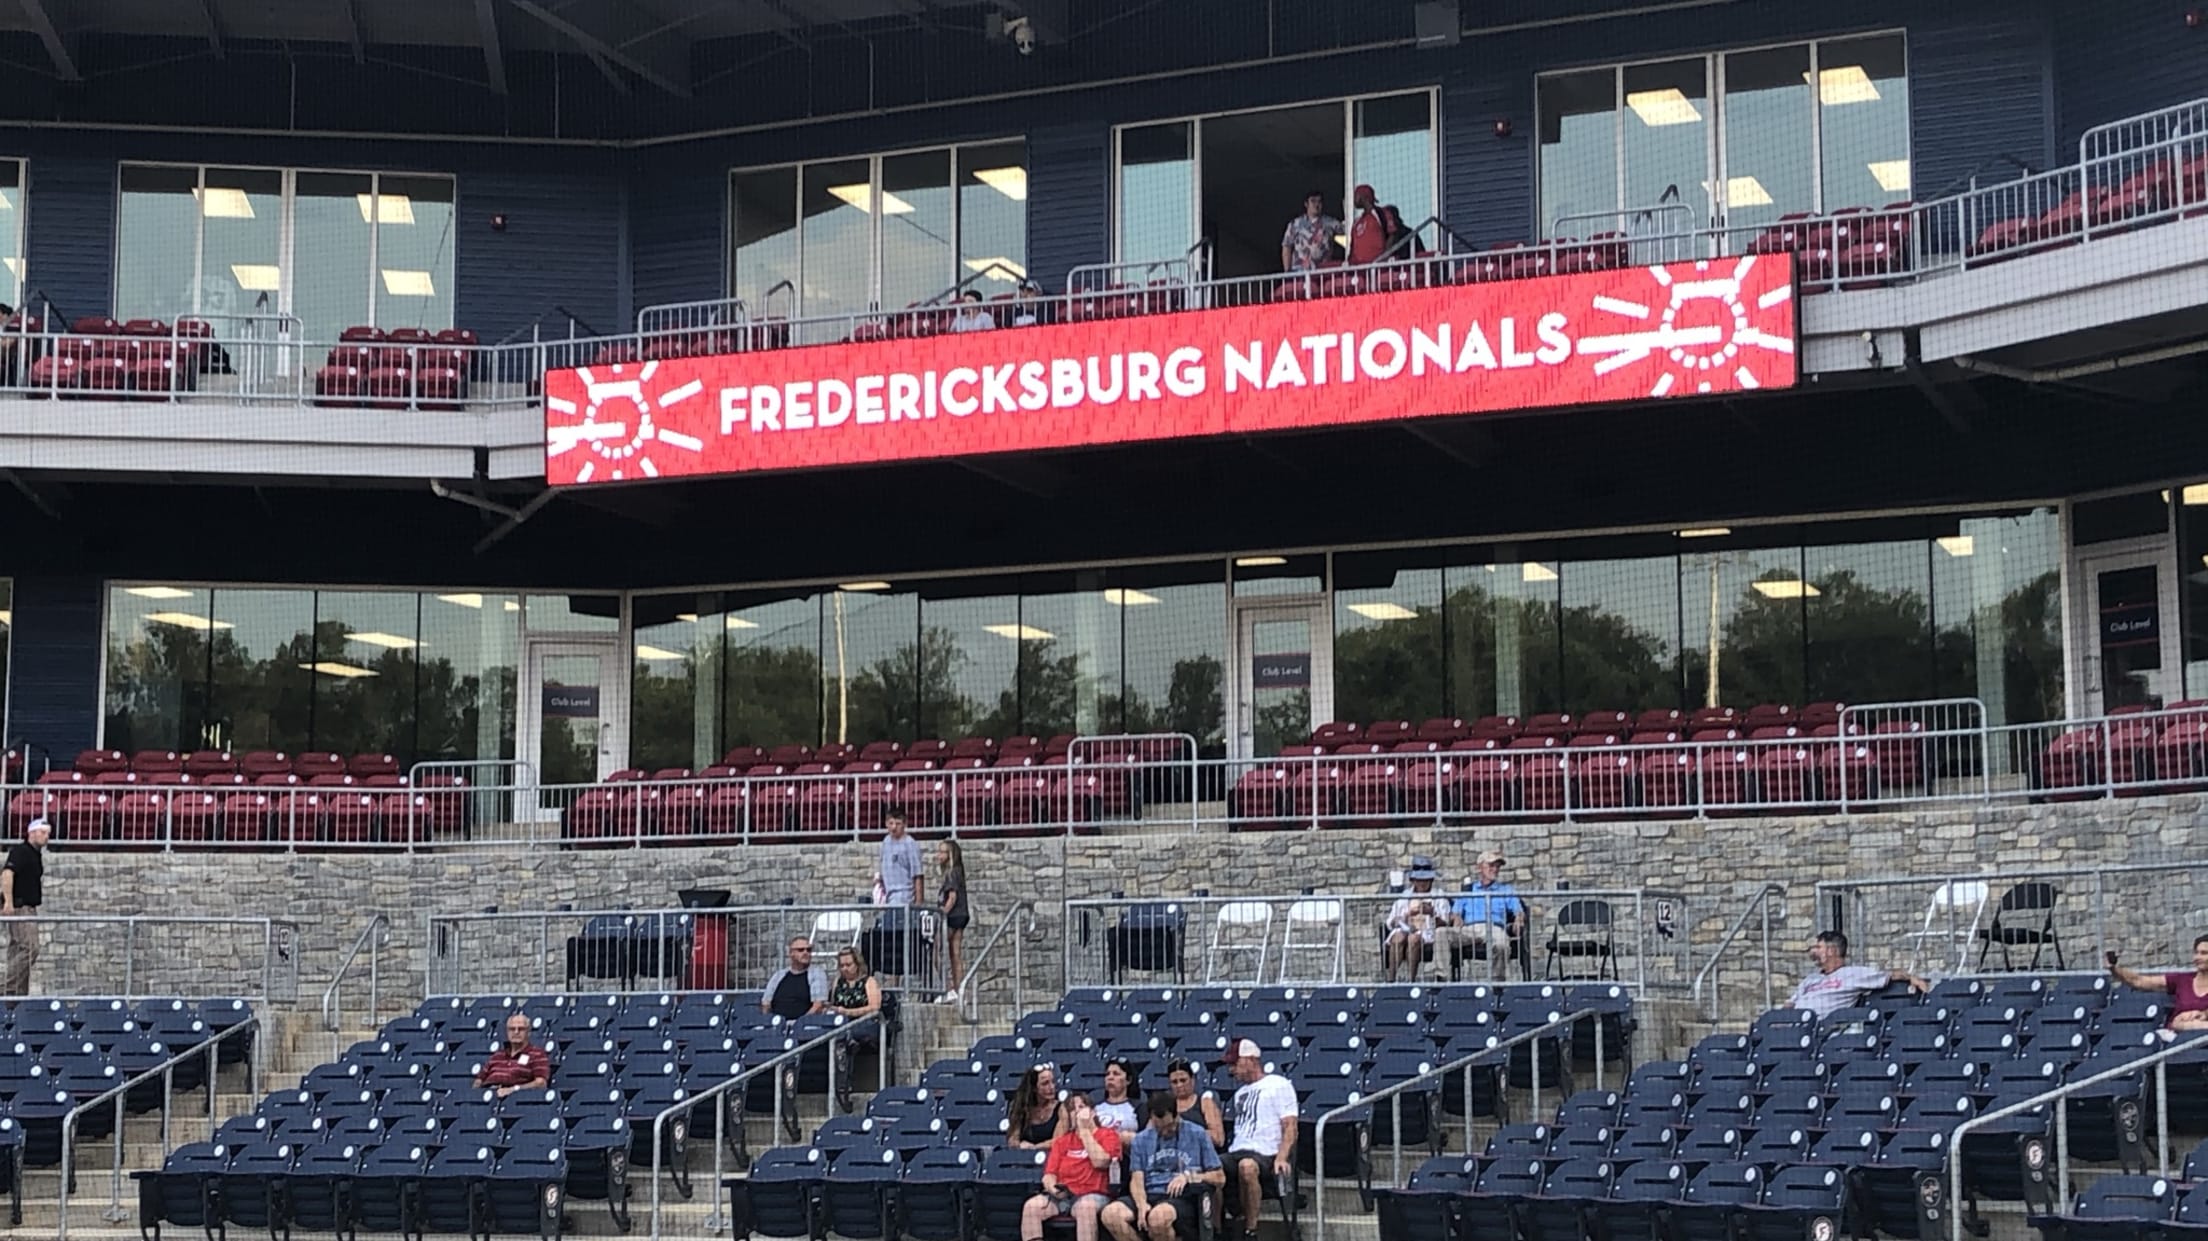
{"x":329,"y":278}
{"x":1864,"y":108}
{"x":573,"y":613}
{"x":1768,"y":150}
{"x":992,"y":215}
{"x":1393,"y":152}
{"x":1667,"y":135}
{"x":1753,"y":653}
{"x":764,"y":235}
{"x":971,"y":651}
{"x":157,"y":243}
{"x":1070,"y":682}
{"x":471,"y":650}
{"x":1469,"y":607}
{"x":1175,"y":639}
{"x":156,"y":665}
{"x":1387,"y":639}
{"x":1528,"y":603}
{"x":1997,"y":613}
{"x":414,"y":223}
{"x":1579,"y":145}
{"x":1157,"y":191}
{"x":917,"y":257}
{"x":7,"y":639}
{"x":363,"y":672}
{"x":1620,"y":634}
{"x":874,"y":671}
{"x":243,"y":236}
{"x":11,"y":232}
{"x":1869,"y":623}
{"x":263,"y":642}
{"x":771,"y":688}
{"x":839,"y":241}
{"x":675,"y":692}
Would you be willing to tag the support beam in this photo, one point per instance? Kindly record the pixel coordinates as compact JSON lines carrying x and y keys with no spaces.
{"x":494,"y":50}
{"x":215,"y":33}
{"x":599,"y":50}
{"x":42,"y":24}
{"x":353,"y":37}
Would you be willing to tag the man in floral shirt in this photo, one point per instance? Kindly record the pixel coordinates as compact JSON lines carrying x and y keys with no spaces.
{"x":1310,"y":236}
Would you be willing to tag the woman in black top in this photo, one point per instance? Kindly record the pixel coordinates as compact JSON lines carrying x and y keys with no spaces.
{"x":1198,"y":1108}
{"x":956,"y":916}
{"x":856,"y":993}
{"x":1034,"y":1112}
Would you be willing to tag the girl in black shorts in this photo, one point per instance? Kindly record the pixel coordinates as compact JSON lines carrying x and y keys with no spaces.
{"x":956,"y":915}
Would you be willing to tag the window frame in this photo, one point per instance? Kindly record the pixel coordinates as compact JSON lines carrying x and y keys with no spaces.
{"x":16,"y":279}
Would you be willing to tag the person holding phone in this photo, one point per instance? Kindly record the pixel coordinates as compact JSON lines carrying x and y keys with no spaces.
{"x":1076,"y":1174}
{"x":2188,"y":991}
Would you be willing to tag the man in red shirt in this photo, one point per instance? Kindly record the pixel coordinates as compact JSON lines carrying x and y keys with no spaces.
{"x":1368,"y":235}
{"x":518,"y":1064}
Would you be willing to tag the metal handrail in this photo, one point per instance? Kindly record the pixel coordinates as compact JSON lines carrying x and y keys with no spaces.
{"x":166,"y":1070}
{"x":131,"y":923}
{"x":845,"y":1029}
{"x":1709,"y":970}
{"x":968,"y":1006}
{"x":372,"y":938}
{"x":2156,"y":1060}
{"x":1396,"y":1091}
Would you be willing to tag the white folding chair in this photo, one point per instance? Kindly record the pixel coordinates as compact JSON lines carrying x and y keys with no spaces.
{"x":1313,"y":928}
{"x":1953,"y":916}
{"x":837,"y":928}
{"x":1242,"y":929}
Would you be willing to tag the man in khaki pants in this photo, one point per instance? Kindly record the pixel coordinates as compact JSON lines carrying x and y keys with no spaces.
{"x":22,"y":883}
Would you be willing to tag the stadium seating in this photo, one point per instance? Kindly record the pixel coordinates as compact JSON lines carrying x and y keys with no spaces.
{"x":397,"y":369}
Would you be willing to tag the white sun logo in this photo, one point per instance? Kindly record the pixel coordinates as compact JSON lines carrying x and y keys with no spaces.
{"x":619,"y":423}
{"x":1701,"y":331}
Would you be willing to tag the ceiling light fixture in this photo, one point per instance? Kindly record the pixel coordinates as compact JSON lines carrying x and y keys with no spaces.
{"x":1892,"y":175}
{"x":1706,"y":532}
{"x":1790,"y":588}
{"x":157,"y":592}
{"x":186,"y":620}
{"x":1958,"y":545}
{"x":385,"y":208}
{"x":257,"y":277}
{"x":390,"y":641}
{"x":332,"y":668}
{"x":1023,"y":633}
{"x":220,"y":203}
{"x":1534,"y":571}
{"x":408,"y":283}
{"x":655,"y":653}
{"x":465,"y":601}
{"x":1010,"y":181}
{"x":861,"y":195}
{"x":1669,"y":106}
{"x":1844,"y":84}
{"x":1259,"y":562}
{"x":864,"y":586}
{"x":1383,"y":611}
{"x":1126,"y":597}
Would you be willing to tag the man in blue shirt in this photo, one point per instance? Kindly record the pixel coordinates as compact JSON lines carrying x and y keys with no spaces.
{"x":1168,"y":1161}
{"x":1488,"y":916}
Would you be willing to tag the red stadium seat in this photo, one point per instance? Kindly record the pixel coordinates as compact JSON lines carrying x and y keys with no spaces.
{"x":195,"y":818}
{"x":248,"y":817}
{"x":984,"y":748}
{"x":1541,"y":765}
{"x":347,"y":816}
{"x":836,"y":752}
{"x":203,"y":763}
{"x":163,"y":765}
{"x":2130,"y":753}
{"x":1605,"y":722}
{"x":142,"y":818}
{"x":929,"y":749}
{"x":1481,"y":782}
{"x":1370,"y":793}
{"x":1336,"y":732}
{"x":595,"y":818}
{"x":791,"y":755}
{"x":1389,"y":733}
{"x":743,"y":757}
{"x":319,"y":763}
{"x":84,"y":815}
{"x":1258,"y":799}
{"x":1602,"y":774}
{"x":1659,"y":720}
{"x":365,"y":765}
{"x":444,"y":800}
{"x":1900,"y":750}
{"x":881,"y":752}
{"x":122,"y":777}
{"x":973,"y":791}
{"x":824,"y":805}
{"x":93,"y":762}
{"x":258,"y":763}
{"x":1767,"y":715}
{"x":1444,"y":730}
{"x":39,"y":803}
{"x":1786,"y":773}
{"x":1019,"y":747}
{"x":2182,"y":752}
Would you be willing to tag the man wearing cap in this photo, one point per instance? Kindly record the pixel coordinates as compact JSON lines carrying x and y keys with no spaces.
{"x":22,"y":891}
{"x":1310,"y":236}
{"x":1415,"y":919}
{"x":1263,"y":1144}
{"x":1368,"y":234}
{"x":1488,"y":916}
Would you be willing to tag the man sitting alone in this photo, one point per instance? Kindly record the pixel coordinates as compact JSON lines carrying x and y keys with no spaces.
{"x":1835,"y":984}
{"x":518,"y":1064}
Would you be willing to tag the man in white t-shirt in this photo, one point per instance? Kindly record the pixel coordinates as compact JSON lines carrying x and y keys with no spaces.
{"x":1835,"y":984}
{"x":1262,"y":1146}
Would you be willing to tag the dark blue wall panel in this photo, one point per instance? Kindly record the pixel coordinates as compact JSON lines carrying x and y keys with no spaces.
{"x":1069,"y":199}
{"x":678,"y":222}
{"x":560,"y":254}
{"x":69,"y":249}
{"x":54,"y":664}
{"x":2119,"y":58}
{"x":1981,"y":99}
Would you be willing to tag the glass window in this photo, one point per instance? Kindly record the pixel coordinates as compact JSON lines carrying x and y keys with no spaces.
{"x":414,"y":222}
{"x":1741,"y":625}
{"x":7,"y":640}
{"x":157,"y":645}
{"x":838,"y":239}
{"x":1529,"y":677}
{"x":1868,"y":623}
{"x":1997,"y":615}
{"x":363,"y":672}
{"x":876,"y":671}
{"x":1468,"y":625}
{"x":992,"y":215}
{"x":1173,"y":629}
{"x":469,"y":669}
{"x":1157,"y":191}
{"x":1279,"y":575}
{"x":573,"y":613}
{"x":917,"y":227}
{"x":1393,"y":152}
{"x":1667,"y":136}
{"x":1579,"y":144}
{"x":12,"y":211}
{"x":330,"y":255}
{"x":764,"y":234}
{"x":1769,"y":149}
{"x":1863,"y":107}
{"x":771,"y":686}
{"x":1619,"y":633}
{"x":1070,"y":681}
{"x":675,"y":691}
{"x":972,"y":650}
{"x":157,"y":245}
{"x":1388,"y":637}
{"x":241,"y":220}
{"x":261,"y":672}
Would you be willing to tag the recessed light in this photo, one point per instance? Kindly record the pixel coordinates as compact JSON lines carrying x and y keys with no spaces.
{"x":408,"y":283}
{"x":861,"y":195}
{"x":1669,"y":106}
{"x":1706,"y":532}
{"x":737,"y":622}
{"x":1128,"y":598}
{"x":2195,"y":495}
{"x":1259,"y":562}
{"x":221,"y":203}
{"x":465,"y":601}
{"x":1383,"y":611}
{"x":157,"y":592}
{"x":186,"y":620}
{"x":1844,"y":84}
{"x":645,"y":651}
{"x":1010,"y":181}
{"x":862,"y":586}
{"x":390,"y":640}
{"x":1958,"y":544}
{"x":1535,"y":571}
{"x":385,"y":208}
{"x":1024,"y":633}
{"x":331,"y":668}
{"x":999,"y":268}
{"x":257,"y":277}
{"x":7,"y":617}
{"x":511,"y":606}
{"x":1892,"y":175}
{"x":1790,"y":588}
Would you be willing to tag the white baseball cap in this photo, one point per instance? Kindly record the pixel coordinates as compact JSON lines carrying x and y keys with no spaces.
{"x":1247,"y":1049}
{"x":37,"y":825}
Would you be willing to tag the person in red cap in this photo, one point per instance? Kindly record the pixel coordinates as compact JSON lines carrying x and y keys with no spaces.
{"x":1263,"y":1145}
{"x":1368,"y":234}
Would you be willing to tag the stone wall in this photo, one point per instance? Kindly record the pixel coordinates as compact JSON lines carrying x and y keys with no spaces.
{"x":1718,"y":865}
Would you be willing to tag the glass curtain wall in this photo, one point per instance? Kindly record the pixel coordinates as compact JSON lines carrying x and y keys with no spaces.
{"x":12,"y":212}
{"x":334,"y":249}
{"x":845,"y":236}
{"x":1741,"y":137}
{"x":1955,"y":607}
{"x":422,"y":677}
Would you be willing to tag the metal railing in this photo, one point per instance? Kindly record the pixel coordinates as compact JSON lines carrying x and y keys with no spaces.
{"x":371,"y":940}
{"x":787,"y":1057}
{"x":1393,"y":1094}
{"x":161,"y":955}
{"x":1712,"y":971}
{"x":119,"y":1095}
{"x":969,"y":999}
{"x":2157,"y":1060}
{"x":1637,"y":937}
{"x":651,"y":951}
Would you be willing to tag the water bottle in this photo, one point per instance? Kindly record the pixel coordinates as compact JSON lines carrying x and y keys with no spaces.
{"x":1116,"y":1180}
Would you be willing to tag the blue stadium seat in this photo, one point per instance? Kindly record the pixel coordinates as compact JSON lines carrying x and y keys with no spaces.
{"x":1708,"y":1208}
{"x":781,"y":1197}
{"x":858,"y":1197}
{"x":1562,"y":1209}
{"x":1430,"y":1204}
{"x":935,"y":1198}
{"x":1801,"y":1201}
{"x":1008,"y":1178}
{"x":2114,"y":1208}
